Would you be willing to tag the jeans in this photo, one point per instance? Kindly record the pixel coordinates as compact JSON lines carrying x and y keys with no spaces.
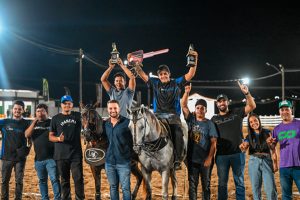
{"x":6,"y":170}
{"x":261,"y":170}
{"x":118,"y":173}
{"x":75,"y":166}
{"x":43,"y":169}
{"x":237,"y":163}
{"x":194,"y":170}
{"x":287,"y":175}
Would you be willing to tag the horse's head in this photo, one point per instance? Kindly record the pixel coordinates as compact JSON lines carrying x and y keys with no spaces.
{"x":143,"y":126}
{"x":91,"y":123}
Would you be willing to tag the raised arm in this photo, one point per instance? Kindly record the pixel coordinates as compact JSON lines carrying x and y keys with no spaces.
{"x":29,"y":130}
{"x":132,"y":82}
{"x":192,"y":71}
{"x":184,"y":101}
{"x":104,"y":78}
{"x":250,"y":103}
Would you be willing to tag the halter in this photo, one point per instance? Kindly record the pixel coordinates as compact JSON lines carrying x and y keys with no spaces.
{"x":150,"y":148}
{"x":87,"y":129}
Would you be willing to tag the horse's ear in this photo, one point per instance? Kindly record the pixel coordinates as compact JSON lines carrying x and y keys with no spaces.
{"x":128,"y":111}
{"x":81,"y":104}
{"x":95,"y":105}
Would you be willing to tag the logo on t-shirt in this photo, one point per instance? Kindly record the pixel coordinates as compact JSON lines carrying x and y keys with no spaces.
{"x":287,"y":134}
{"x":68,"y":121}
{"x":196,"y":134}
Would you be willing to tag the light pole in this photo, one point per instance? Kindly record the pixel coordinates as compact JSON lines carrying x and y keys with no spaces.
{"x":80,"y":75}
{"x":281,"y":67}
{"x":282,"y":81}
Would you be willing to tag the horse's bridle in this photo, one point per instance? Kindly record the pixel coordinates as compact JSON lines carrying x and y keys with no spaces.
{"x":150,"y":148}
{"x":88,"y":131}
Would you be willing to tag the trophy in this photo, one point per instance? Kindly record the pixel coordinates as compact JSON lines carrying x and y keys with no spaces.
{"x":114,"y":54}
{"x":191,"y":59}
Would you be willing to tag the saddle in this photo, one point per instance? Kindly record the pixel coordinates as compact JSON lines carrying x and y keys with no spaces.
{"x":165,"y":128}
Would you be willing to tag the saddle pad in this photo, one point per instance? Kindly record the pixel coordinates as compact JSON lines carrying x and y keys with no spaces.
{"x":94,"y":156}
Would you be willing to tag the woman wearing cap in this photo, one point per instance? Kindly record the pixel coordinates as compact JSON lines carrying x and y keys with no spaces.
{"x":261,"y":166}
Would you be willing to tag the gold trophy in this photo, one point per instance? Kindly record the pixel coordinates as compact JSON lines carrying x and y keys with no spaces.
{"x":114,"y":54}
{"x":191,"y":59}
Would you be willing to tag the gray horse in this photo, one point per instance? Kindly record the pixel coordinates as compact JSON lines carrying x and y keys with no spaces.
{"x":155,"y":149}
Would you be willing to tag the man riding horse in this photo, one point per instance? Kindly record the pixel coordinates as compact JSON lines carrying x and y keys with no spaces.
{"x":166,"y":102}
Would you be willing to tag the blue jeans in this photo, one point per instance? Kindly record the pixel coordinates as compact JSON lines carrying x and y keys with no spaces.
{"x":119,"y":173}
{"x":287,"y":175}
{"x":237,"y":163}
{"x":261,"y":170}
{"x":43,"y":169}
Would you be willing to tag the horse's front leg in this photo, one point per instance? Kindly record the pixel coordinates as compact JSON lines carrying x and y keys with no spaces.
{"x":147,"y":179}
{"x":174,"y":183}
{"x":165,"y":182}
{"x":96,"y":171}
{"x":138,"y":175}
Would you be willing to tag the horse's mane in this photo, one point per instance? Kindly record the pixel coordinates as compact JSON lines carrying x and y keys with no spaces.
{"x":151,"y":117}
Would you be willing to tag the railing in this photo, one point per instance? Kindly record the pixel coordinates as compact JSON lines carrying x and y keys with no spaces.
{"x":272,"y":120}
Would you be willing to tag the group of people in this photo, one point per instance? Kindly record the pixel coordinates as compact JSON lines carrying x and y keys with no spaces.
{"x":58,"y":151}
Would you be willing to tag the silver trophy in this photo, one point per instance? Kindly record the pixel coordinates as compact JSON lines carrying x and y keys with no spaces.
{"x":114,"y":54}
{"x":191,"y":59}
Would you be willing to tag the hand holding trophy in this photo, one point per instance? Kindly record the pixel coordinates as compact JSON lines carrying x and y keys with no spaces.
{"x":191,"y":56}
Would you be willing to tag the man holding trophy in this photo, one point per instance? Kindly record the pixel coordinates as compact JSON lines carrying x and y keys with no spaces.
{"x":166,"y":100}
{"x":118,"y":91}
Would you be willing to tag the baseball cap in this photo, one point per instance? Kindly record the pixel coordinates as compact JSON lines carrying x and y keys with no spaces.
{"x":222,"y":96}
{"x":163,"y":68}
{"x":66,"y":98}
{"x":285,"y":103}
{"x":201,"y":102}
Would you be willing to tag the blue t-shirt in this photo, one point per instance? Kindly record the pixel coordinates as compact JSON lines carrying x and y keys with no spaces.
{"x":124,"y":97}
{"x":200,"y":133}
{"x":166,"y":96}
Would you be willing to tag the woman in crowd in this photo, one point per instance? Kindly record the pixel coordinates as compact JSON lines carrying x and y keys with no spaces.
{"x":261,"y":165}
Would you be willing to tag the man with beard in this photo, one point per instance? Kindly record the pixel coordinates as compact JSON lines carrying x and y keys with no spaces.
{"x":118,"y":155}
{"x":166,"y":102}
{"x":14,"y":150}
{"x":65,"y":132}
{"x":287,"y":133}
{"x":118,"y":92}
{"x":201,"y":146}
{"x":229,"y":125}
{"x":44,"y":164}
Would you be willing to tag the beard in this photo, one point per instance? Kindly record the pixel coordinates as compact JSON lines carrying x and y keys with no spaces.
{"x":114,"y":115}
{"x":223,"y":108}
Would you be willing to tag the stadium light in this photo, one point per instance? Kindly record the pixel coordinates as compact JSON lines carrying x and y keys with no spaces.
{"x":245,"y":81}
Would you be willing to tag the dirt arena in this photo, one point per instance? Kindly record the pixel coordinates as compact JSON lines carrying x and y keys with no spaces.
{"x":31,"y":190}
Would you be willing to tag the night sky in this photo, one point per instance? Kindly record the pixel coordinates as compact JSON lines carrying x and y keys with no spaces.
{"x":234,"y":39}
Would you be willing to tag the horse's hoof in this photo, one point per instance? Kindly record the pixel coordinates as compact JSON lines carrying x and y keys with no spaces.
{"x":97,"y":196}
{"x":165,"y":197}
{"x":174,"y":197}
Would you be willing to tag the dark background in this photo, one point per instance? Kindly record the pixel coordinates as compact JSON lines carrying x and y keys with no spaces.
{"x":234,"y":39}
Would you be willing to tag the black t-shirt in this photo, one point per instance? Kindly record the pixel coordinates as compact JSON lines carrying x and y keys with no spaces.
{"x":230,"y":132}
{"x":13,"y":139}
{"x":258,"y":143}
{"x":70,"y":125}
{"x":43,"y":148}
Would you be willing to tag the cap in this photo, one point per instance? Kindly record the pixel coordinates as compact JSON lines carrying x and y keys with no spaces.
{"x":66,"y":98}
{"x":285,"y":103}
{"x":222,"y":96}
{"x":201,"y":102}
{"x":163,"y":68}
